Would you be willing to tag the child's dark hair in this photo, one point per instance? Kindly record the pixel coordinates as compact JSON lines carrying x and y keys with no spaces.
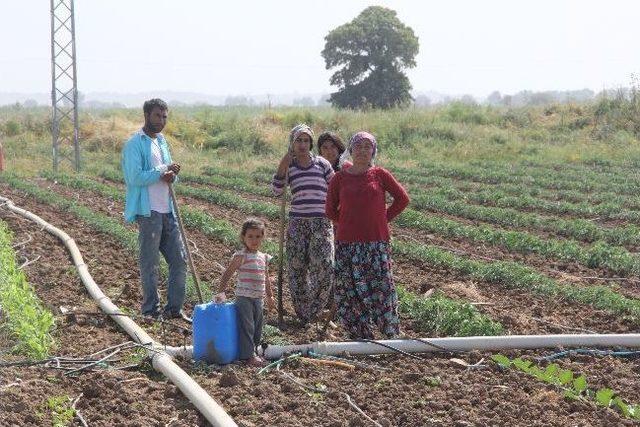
{"x":251,"y":223}
{"x":333,"y":137}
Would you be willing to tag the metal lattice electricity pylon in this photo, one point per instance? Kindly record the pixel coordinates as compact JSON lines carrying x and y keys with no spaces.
{"x":64,"y":90}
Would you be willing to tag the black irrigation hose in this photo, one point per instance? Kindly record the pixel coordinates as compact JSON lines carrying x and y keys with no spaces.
{"x":590,"y":352}
{"x":397,"y":350}
{"x":26,"y":363}
{"x":429,"y":343}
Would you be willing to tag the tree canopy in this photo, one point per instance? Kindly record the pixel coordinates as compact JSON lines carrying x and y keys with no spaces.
{"x":371,"y":53}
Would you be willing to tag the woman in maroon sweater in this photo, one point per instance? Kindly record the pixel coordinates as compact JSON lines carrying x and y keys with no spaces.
{"x":364,"y":289}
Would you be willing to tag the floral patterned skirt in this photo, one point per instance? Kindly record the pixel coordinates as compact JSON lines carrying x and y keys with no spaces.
{"x":310,"y":265}
{"x":364,"y":290}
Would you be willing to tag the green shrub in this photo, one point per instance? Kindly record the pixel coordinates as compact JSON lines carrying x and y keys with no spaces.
{"x":12,"y":128}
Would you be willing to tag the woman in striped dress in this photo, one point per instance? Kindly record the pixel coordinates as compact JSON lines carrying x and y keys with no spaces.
{"x":309,"y":235}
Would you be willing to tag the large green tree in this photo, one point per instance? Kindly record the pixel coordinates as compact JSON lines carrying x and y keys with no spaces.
{"x":371,"y":53}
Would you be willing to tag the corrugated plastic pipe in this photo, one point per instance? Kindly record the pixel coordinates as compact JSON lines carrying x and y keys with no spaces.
{"x":161,"y":360}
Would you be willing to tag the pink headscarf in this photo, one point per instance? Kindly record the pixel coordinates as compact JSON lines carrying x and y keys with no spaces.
{"x":362,"y":136}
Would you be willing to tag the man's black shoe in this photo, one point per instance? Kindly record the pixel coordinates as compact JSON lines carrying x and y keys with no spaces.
{"x":179,"y":315}
{"x":151,"y":318}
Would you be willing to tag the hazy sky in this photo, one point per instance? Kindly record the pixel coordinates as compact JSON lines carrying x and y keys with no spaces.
{"x":258,"y":47}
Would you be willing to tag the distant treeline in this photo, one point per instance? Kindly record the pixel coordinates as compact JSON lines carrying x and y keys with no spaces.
{"x":523,"y":98}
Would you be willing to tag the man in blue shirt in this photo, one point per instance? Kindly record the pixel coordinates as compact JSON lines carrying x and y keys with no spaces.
{"x":148,"y":173}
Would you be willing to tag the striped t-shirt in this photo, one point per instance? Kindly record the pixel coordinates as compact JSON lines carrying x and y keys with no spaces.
{"x":308,"y":187}
{"x":251,"y":274}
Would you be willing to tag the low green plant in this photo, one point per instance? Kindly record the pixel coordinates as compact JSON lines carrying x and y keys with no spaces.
{"x":442,"y":316}
{"x":574,"y":387}
{"x":273,"y":335}
{"x":219,"y":197}
{"x":61,"y":411}
{"x":432,"y":381}
{"x":543,"y":178}
{"x":603,"y":202}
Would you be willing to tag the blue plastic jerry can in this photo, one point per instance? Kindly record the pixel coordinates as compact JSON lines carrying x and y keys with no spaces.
{"x":215,"y":333}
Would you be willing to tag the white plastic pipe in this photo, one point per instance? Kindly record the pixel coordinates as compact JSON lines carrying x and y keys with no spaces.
{"x":161,"y":361}
{"x":512,"y":342}
{"x":420,"y":345}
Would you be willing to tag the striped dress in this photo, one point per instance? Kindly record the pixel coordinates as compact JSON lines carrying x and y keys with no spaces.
{"x":251,"y":274}
{"x":309,"y":237}
{"x":308,"y":187}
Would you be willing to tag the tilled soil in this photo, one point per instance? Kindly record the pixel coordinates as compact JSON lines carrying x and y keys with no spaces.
{"x":137,"y":397}
{"x":519,"y":311}
{"x":393,"y":390}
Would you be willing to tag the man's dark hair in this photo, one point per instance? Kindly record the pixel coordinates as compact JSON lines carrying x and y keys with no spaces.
{"x":153,"y":103}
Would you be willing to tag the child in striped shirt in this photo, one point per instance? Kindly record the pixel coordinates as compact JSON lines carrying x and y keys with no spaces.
{"x":252,"y":286}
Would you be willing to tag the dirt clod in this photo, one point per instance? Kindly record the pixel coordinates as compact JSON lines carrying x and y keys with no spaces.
{"x":229,"y":379}
{"x":411,"y":377}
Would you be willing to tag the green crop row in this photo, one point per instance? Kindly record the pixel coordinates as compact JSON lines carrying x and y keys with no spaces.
{"x":523,"y":202}
{"x":516,"y":276}
{"x":549,"y":180}
{"x":610,"y":200}
{"x":567,"y":172}
{"x":578,"y":229}
{"x":229,"y":183}
{"x":231,"y":200}
{"x":438,"y":315}
{"x":262,"y":174}
{"x":599,"y":255}
{"x":27,"y":320}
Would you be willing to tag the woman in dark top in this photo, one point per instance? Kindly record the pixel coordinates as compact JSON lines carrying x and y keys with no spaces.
{"x":331,"y":147}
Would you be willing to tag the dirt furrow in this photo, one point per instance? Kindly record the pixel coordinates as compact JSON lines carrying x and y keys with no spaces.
{"x":109,"y":398}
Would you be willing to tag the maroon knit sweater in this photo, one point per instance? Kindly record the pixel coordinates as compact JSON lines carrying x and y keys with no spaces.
{"x":357,"y":203}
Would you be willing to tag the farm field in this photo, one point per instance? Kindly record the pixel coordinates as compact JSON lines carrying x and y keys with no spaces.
{"x":521,"y":221}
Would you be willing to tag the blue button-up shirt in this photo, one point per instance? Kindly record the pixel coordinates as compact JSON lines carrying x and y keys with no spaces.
{"x":139,"y":172}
